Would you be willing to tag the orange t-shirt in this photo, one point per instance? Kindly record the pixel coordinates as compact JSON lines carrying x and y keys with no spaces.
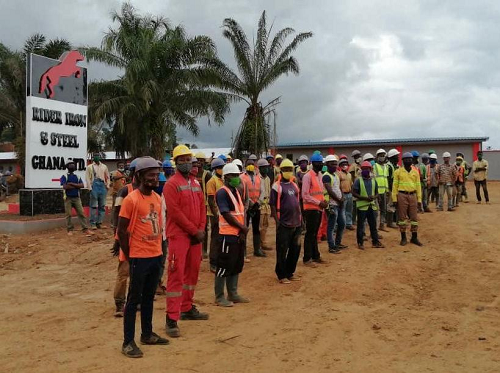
{"x":144,"y":213}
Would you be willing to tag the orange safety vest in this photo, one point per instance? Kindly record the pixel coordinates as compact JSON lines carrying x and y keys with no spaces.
{"x":315,"y":191}
{"x":239,"y":214}
{"x":280,"y":189}
{"x":252,"y":187}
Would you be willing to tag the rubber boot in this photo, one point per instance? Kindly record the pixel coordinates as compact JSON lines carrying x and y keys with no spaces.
{"x":220,"y":299}
{"x":232,"y":290}
{"x":414,"y":239}
{"x":390,"y":220}
{"x":256,"y":246}
{"x":403,"y":239}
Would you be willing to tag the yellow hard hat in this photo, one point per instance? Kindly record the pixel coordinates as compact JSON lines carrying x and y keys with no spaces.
{"x":181,"y":150}
{"x":286,"y":163}
{"x":229,"y":157}
{"x":200,"y":155}
{"x":278,"y":156}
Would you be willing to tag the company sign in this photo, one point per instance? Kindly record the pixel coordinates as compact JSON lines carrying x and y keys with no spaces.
{"x":56,"y":118}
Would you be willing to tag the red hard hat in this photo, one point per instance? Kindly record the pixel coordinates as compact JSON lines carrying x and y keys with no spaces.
{"x":343,"y":156}
{"x":366,"y":164}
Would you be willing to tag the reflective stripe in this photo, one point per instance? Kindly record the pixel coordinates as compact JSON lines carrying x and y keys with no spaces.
{"x":173,"y":294}
{"x":363,"y":205}
{"x":196,"y":189}
{"x":188,"y":287}
{"x":183,"y":187}
{"x":239,"y":214}
{"x":414,"y":223}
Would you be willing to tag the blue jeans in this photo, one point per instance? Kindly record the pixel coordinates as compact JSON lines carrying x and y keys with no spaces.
{"x":97,"y":202}
{"x":348,"y":209}
{"x":335,"y":221}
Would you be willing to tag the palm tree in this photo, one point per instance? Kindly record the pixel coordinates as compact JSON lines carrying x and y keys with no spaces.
{"x":165,"y":83}
{"x":13,"y":84}
{"x":259,"y":66}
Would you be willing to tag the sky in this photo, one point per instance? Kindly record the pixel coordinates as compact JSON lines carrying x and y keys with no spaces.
{"x":373,"y":69}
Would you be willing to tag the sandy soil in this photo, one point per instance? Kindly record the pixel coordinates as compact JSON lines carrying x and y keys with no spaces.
{"x":430,"y":309}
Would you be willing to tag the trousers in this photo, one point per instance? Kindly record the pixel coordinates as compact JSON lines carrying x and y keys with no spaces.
{"x":478,"y":185}
{"x":143,"y":281}
{"x":348,"y":206}
{"x":184,"y":259}
{"x":75,"y":202}
{"x":164,"y":251}
{"x":264,"y":224}
{"x":214,"y":239}
{"x":425,"y":204}
{"x":97,"y":202}
{"x":336,"y":226}
{"x":313,"y":222}
{"x":363,"y":216}
{"x":287,"y":250}
{"x":122,"y":276}
{"x":407,"y":210}
{"x":231,"y":256}
{"x":433,"y":195}
{"x":382,"y":205}
{"x":448,"y":189}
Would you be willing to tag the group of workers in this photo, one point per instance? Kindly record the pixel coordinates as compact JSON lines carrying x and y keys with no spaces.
{"x":162,"y":218}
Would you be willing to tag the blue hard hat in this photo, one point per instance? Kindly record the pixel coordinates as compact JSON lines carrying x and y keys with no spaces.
{"x":415,"y":153}
{"x":223,"y":157}
{"x":317,"y":157}
{"x":217,"y":162}
{"x":166,"y":163}
{"x":133,"y":164}
{"x":407,"y":155}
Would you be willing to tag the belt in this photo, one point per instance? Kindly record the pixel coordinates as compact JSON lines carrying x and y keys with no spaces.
{"x":401,"y":191}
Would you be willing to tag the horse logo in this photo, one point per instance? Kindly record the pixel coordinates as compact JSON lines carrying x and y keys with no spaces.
{"x":67,"y":67}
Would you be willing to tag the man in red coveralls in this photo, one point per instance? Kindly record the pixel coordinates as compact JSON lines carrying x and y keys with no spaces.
{"x":186,"y":218}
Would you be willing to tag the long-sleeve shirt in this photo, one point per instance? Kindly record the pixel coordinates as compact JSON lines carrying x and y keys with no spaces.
{"x":97,"y":171}
{"x":447,"y":174}
{"x":480,"y":175}
{"x":405,"y":181}
{"x":306,"y":187}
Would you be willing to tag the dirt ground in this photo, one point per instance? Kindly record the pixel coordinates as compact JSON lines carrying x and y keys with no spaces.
{"x":430,"y":309}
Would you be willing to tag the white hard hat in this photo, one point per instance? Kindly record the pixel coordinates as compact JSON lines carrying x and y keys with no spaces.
{"x":237,"y":162}
{"x":368,"y":156}
{"x":262,"y":163}
{"x":303,"y":157}
{"x":446,"y":155}
{"x":230,"y":168}
{"x":380,"y":151}
{"x":331,"y":157}
{"x":393,"y":152}
{"x":433,"y":156}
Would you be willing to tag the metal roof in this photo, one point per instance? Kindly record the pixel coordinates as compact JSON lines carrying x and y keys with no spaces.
{"x":347,"y":143}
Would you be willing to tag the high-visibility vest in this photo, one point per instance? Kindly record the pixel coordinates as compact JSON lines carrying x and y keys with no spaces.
{"x":280,"y":190}
{"x":332,"y":177}
{"x":239,"y":214}
{"x":315,"y":191}
{"x":381,"y":176}
{"x":363,"y":205}
{"x":252,"y":187}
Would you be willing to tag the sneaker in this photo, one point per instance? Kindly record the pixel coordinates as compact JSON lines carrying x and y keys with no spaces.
{"x":131,"y":350}
{"x":119,"y":311}
{"x":94,"y":227}
{"x":310,"y":264}
{"x":334,"y":250}
{"x":172,"y":329}
{"x":361,"y":246}
{"x":154,"y":339}
{"x":223,"y":302}
{"x":342,"y":246}
{"x":378,"y":245}
{"x":194,"y":314}
{"x":284,"y":281}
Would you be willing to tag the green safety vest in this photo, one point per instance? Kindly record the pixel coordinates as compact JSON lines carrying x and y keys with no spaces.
{"x":363,"y":205}
{"x":382,"y":175}
{"x":325,"y":192}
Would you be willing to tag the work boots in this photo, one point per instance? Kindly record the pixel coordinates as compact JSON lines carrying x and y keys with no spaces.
{"x":403,"y":239}
{"x":390,"y":220}
{"x":194,"y":314}
{"x":414,"y":239}
{"x":220,"y":299}
{"x":257,"y":251}
{"x":171,"y":328}
{"x":232,"y":290}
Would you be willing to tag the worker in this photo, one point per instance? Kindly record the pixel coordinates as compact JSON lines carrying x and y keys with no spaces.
{"x":467,"y":170}
{"x":277,"y":160}
{"x":229,"y":158}
{"x":139,"y":233}
{"x":185,"y":228}
{"x":422,"y":166}
{"x":407,"y":194}
{"x":335,"y":200}
{"x":270,"y":160}
{"x":214,"y":184}
{"x":365,"y":190}
{"x":168,"y":171}
{"x":244,"y":194}
{"x":480,"y":172}
{"x":97,"y":178}
{"x":432,"y":180}
{"x":459,"y":182}
{"x":368,"y":157}
{"x":355,"y":171}
{"x":314,"y":204}
{"x":285,"y":209}
{"x":223,"y":157}
{"x":118,"y":180}
{"x":253,"y":183}
{"x":346,"y":188}
{"x":203,"y":176}
{"x":392,"y":165}
{"x":447,"y":174}
{"x":381,"y":171}
{"x":265,"y":209}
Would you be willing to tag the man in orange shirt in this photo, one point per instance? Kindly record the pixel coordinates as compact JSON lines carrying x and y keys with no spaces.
{"x":118,"y":181}
{"x":139,"y":233}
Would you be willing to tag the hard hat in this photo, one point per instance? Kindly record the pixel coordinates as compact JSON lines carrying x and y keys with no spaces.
{"x":433,"y":156}
{"x":286,"y":163}
{"x":133,"y":164}
{"x":331,"y":158}
{"x":355,"y":153}
{"x":460,"y":158}
{"x":229,"y":156}
{"x":381,"y":151}
{"x":200,"y":155}
{"x":144,"y":163}
{"x":194,"y":159}
{"x":166,"y":163}
{"x":407,"y":155}
{"x":392,"y":153}
{"x":317,"y":158}
{"x":278,"y":156}
{"x":343,"y":160}
{"x":223,"y":157}
{"x":238,"y":162}
{"x":415,"y":153}
{"x":262,"y":163}
{"x":343,"y":156}
{"x":446,"y":155}
{"x":269,"y":156}
{"x":366,"y":164}
{"x":303,"y":157}
{"x":230,"y":168}
{"x":432,"y":151}
{"x":425,"y":155}
{"x":181,"y":150}
{"x":252,"y":157}
{"x":217,"y":162}
{"x":368,"y":156}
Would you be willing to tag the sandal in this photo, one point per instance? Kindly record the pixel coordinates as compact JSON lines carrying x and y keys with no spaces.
{"x":284,"y":281}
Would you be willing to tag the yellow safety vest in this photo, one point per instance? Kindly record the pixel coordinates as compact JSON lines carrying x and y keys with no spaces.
{"x":363,"y":205}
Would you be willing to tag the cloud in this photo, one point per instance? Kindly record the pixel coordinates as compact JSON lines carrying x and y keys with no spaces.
{"x":374,"y":69}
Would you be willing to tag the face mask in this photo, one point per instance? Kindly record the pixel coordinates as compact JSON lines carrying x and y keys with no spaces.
{"x":168,"y":171}
{"x":344,"y":167}
{"x":287,"y":175}
{"x":372,"y":162}
{"x":97,"y":158}
{"x":263,"y":171}
{"x":303,"y":166}
{"x":185,"y":168}
{"x":235,"y":182}
{"x":121,"y":169}
{"x":317,"y":167}
{"x":433,"y":161}
{"x":332,"y":169}
{"x":365,"y":173}
{"x":357,"y":160}
{"x":218,"y":171}
{"x":194,"y":171}
{"x":407,"y":162}
{"x":250,"y":168}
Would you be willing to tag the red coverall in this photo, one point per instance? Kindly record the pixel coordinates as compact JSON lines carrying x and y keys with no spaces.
{"x":186,"y":215}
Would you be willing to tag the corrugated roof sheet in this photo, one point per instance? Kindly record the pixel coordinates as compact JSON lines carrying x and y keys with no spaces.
{"x":346,"y":143}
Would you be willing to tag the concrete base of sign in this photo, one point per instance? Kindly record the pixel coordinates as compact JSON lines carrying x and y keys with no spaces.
{"x":45,"y":201}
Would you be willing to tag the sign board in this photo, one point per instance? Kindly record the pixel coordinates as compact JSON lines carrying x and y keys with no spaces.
{"x":56,"y":118}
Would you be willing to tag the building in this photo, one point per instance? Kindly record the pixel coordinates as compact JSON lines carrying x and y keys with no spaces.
{"x":493,"y":158}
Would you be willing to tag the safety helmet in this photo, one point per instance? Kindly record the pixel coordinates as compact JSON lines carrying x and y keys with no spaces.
{"x":278,"y":156}
{"x":194,"y":159}
{"x":331,"y":158}
{"x":368,"y":156}
{"x":446,"y":155}
{"x":415,"y":153}
{"x":229,"y":157}
{"x":366,"y":164}
{"x":166,"y":163}
{"x":303,"y":157}
{"x":217,"y":162}
{"x":425,"y":156}
{"x":407,"y":155}
{"x":269,"y":156}
{"x":432,"y":151}
{"x":317,"y":158}
{"x":262,"y":163}
{"x":381,"y":151}
{"x":230,"y":168}
{"x":433,"y":156}
{"x":392,"y":153}
{"x":343,"y":156}
{"x":459,"y":158}
{"x":144,"y":163}
{"x":133,"y":164}
{"x":343,"y":160}
{"x":252,"y":157}
{"x":286,"y":163}
{"x":181,"y":150}
{"x":238,"y":162}
{"x":200,"y":155}
{"x":355,"y":153}
{"x":223,"y":157}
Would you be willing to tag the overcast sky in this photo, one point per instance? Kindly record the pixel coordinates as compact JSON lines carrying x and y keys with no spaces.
{"x":374,"y":69}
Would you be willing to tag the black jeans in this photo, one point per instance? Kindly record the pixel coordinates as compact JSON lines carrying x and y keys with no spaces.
{"x":214,"y":239}
{"x":144,"y":273}
{"x":313,"y":222}
{"x":287,"y":250}
{"x":364,"y":215}
{"x":478,"y":185}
